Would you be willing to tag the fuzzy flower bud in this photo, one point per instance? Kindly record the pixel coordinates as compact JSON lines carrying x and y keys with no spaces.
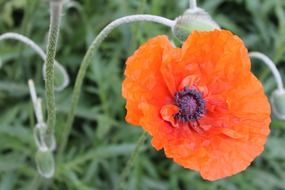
{"x":191,"y":20}
{"x":45,"y":163}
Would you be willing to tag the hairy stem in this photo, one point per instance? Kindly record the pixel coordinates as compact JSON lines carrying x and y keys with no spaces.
{"x":27,"y":41}
{"x":193,"y":4}
{"x":89,"y":56}
{"x":50,"y":59}
{"x":127,"y":169}
{"x":36,"y":102}
{"x":267,"y":61}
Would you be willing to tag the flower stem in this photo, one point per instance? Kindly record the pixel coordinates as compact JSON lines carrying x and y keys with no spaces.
{"x":193,"y":4}
{"x":50,"y":59}
{"x":36,"y":102}
{"x":27,"y":41}
{"x":126,"y":170}
{"x":87,"y":60}
{"x":269,"y":63}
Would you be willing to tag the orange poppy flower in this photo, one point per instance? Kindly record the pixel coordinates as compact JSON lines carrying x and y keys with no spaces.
{"x":200,"y":103}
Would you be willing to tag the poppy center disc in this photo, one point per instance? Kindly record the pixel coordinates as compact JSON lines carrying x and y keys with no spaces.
{"x":191,"y":105}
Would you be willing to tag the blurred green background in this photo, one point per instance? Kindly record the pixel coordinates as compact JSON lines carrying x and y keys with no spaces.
{"x":101,"y":140}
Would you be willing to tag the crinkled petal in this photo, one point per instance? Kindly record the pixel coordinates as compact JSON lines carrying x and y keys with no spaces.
{"x":167,"y":113}
{"x":143,"y":82}
{"x":219,"y":56}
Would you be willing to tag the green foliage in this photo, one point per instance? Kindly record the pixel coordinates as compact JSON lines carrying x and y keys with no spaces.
{"x":101,"y":140}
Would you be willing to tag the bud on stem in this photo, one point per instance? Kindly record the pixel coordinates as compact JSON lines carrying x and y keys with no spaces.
{"x":191,"y":20}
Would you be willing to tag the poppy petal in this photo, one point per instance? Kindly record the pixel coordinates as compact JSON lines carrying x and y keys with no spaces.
{"x":144,"y":82}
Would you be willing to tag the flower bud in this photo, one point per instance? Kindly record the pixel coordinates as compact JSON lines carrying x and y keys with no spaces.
{"x":191,"y":20}
{"x":45,"y":163}
{"x":278,"y":104}
{"x":44,"y":139}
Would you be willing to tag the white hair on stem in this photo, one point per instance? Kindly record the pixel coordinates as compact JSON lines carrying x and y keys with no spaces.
{"x":27,"y":41}
{"x":269,"y":63}
{"x":193,"y":4}
{"x":36,"y":102}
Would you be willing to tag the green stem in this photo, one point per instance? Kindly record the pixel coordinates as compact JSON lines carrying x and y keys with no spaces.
{"x":130,"y":163}
{"x":88,"y":58}
{"x":269,"y":63}
{"x":193,"y":4}
{"x":50,"y":60}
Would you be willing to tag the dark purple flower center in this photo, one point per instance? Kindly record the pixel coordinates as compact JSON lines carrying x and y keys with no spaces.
{"x":191,"y":105}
